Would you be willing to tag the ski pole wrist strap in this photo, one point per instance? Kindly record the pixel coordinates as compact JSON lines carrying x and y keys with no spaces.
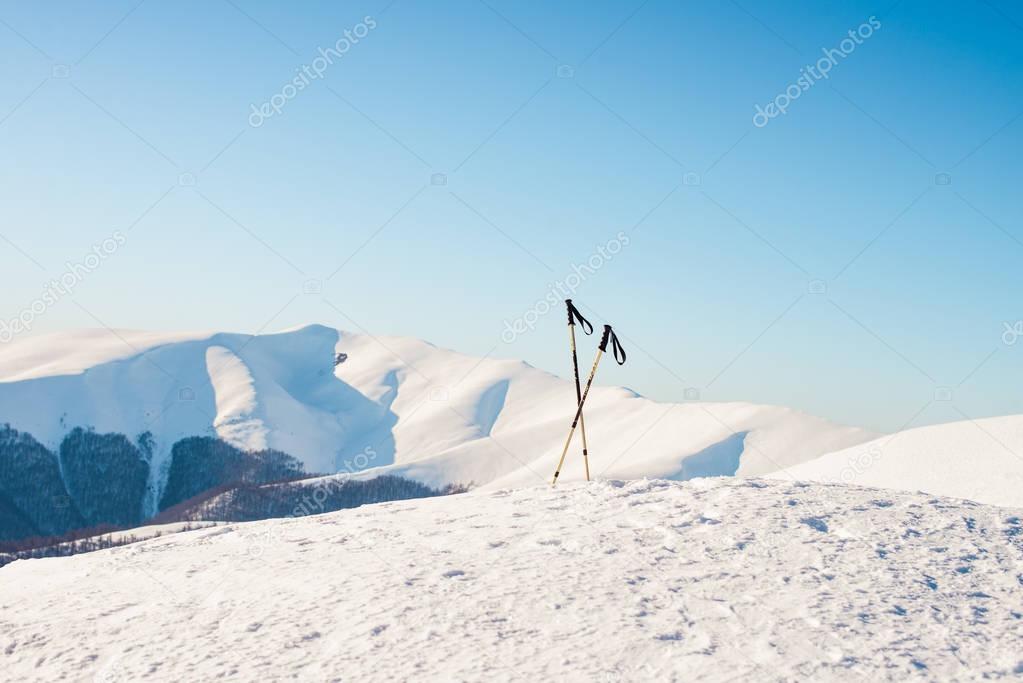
{"x":574,"y":314}
{"x":616,"y":346}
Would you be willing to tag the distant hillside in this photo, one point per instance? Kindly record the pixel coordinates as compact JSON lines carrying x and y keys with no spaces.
{"x":115,"y":427}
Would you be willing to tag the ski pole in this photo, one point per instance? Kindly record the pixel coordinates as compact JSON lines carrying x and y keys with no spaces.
{"x":573,"y":315}
{"x":619,"y":354}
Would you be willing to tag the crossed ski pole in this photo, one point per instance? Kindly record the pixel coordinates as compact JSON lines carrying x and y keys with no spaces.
{"x":619,"y":354}
{"x":573,"y":315}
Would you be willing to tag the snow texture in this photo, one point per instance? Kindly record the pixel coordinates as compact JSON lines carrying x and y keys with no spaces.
{"x":713,"y":579}
{"x":981,"y":460}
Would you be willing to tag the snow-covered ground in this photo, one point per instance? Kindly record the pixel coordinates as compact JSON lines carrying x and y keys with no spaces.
{"x":143,"y":533}
{"x":980,"y":460}
{"x":399,"y":404}
{"x":114,"y":538}
{"x":714,"y":579}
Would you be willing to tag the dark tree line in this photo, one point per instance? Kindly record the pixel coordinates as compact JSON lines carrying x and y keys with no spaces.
{"x":33,"y":500}
{"x":72,"y":543}
{"x":200,"y":463}
{"x":55,"y":504}
{"x":247,"y":502}
{"x":105,"y":476}
{"x":100,"y":479}
{"x":234,"y":503}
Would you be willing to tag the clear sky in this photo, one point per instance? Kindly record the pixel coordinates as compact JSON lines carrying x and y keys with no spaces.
{"x":857,"y":256}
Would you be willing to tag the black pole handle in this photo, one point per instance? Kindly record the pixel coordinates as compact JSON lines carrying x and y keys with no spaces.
{"x":616,"y":346}
{"x":574,"y":314}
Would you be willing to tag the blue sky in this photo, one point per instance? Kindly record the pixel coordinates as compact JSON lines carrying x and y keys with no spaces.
{"x":857,"y":257}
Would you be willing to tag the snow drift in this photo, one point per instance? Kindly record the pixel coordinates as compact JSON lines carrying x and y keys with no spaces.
{"x":715,"y":579}
{"x":979,"y":460}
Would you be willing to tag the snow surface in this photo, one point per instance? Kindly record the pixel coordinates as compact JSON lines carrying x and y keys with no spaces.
{"x":980,"y":460}
{"x":714,"y":579}
{"x":73,"y":352}
{"x":234,"y":390}
{"x":140,"y":533}
{"x":398,"y":405}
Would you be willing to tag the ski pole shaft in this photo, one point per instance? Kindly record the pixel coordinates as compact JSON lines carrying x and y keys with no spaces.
{"x":575,"y":420}
{"x":582,"y":400}
{"x":579,"y":399}
{"x":573,"y":315}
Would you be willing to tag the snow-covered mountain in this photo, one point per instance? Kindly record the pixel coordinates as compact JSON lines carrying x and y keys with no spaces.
{"x":714,"y":579}
{"x":399,"y":404}
{"x":980,"y":460}
{"x":253,"y":392}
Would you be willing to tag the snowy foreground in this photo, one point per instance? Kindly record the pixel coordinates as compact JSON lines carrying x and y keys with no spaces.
{"x":713,"y":579}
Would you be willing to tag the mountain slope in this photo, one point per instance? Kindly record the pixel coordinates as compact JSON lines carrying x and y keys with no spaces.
{"x":399,"y":405}
{"x":254,"y":392}
{"x":715,"y":579}
{"x":463,"y":419}
{"x":980,"y":460}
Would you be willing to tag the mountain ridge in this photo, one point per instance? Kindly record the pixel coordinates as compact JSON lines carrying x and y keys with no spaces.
{"x":407,"y":400}
{"x":197,"y":410}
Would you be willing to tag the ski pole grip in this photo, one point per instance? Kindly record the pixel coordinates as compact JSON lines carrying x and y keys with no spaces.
{"x":603,"y":340}
{"x":574,"y":314}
